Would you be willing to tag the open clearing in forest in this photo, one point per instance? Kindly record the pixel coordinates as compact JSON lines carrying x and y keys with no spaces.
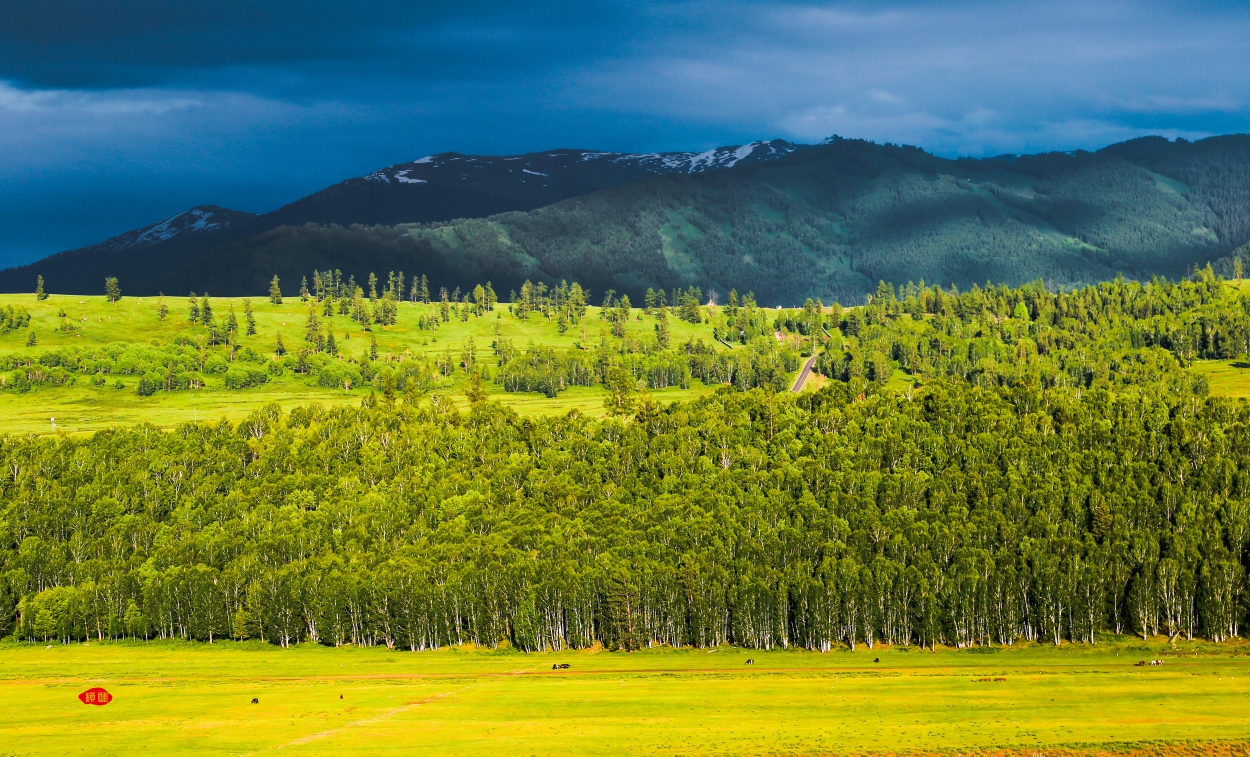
{"x":82,"y":408}
{"x":1226,"y":378}
{"x":182,"y":698}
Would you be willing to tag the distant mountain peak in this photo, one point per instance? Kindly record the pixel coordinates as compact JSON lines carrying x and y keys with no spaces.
{"x":708,"y":160}
{"x":552,"y":163}
{"x":197,"y":219}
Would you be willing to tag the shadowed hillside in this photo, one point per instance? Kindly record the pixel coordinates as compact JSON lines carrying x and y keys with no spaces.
{"x":829,"y":221}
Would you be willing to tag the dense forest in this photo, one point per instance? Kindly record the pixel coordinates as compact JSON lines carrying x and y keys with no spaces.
{"x":826,"y":222}
{"x":986,"y":467}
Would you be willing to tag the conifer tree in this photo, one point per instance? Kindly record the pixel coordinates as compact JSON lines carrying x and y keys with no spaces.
{"x":475,"y":390}
{"x":275,"y":292}
{"x":312,"y":331}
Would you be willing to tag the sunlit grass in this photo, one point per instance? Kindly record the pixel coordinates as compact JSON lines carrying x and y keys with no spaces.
{"x":175,"y":698}
{"x":84,"y":408}
{"x":1226,"y":378}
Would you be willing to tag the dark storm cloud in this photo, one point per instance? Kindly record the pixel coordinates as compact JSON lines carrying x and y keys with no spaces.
{"x":115,"y":114}
{"x":71,"y":43}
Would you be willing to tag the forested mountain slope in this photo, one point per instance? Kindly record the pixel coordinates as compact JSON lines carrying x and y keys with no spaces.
{"x":828,"y":222}
{"x":434,"y":188}
{"x":1056,"y":474}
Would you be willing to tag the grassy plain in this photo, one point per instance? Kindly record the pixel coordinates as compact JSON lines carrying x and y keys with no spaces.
{"x":174,"y":698}
{"x":82,"y":407}
{"x":1226,"y":378}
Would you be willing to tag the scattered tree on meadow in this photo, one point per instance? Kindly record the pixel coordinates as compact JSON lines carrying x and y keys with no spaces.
{"x":206,"y":311}
{"x":475,"y":389}
{"x":249,"y":316}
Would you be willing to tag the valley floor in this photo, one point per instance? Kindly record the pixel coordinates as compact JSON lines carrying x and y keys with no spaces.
{"x":176,"y":698}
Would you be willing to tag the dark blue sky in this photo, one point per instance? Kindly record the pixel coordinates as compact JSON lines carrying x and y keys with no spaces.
{"x":114,"y":115}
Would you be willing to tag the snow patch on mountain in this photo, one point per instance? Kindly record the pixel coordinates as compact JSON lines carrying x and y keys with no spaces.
{"x":558,"y":163}
{"x":697,"y":162}
{"x":196,"y":220}
{"x":744,"y":151}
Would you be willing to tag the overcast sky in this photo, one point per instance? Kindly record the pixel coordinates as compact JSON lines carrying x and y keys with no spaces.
{"x":115,"y":115}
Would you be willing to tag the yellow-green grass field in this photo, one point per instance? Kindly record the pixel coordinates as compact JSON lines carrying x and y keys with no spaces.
{"x":85,"y":408}
{"x":1226,"y":378}
{"x":176,"y":698}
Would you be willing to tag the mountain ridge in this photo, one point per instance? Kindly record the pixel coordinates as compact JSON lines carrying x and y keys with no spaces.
{"x":416,"y":191}
{"x":826,"y":221}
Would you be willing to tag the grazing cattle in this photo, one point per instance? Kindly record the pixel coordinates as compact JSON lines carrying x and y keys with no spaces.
{"x":560,"y":666}
{"x":340,"y":696}
{"x":750,"y":662}
{"x":876,"y":659}
{"x":255,"y":700}
{"x":1141,"y":663}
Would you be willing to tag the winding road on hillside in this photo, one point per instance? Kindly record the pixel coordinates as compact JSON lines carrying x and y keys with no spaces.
{"x":807,"y":371}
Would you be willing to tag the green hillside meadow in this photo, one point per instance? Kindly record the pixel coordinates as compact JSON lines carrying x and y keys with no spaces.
{"x":83,"y":406}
